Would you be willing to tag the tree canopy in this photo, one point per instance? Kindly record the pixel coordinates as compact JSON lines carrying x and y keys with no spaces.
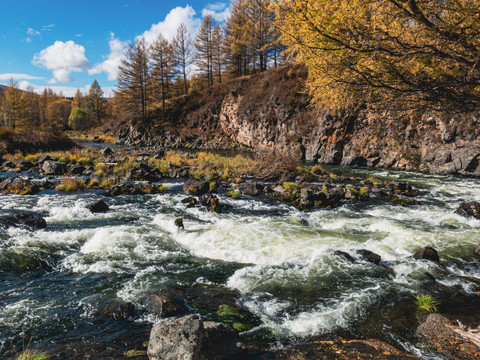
{"x":398,"y":52}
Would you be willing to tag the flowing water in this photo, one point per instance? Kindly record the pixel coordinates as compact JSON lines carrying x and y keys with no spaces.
{"x":280,"y":259}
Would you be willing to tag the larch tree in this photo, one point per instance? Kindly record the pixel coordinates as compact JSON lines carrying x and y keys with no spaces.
{"x":13,"y":106}
{"x":408,"y":53}
{"x":218,"y":52}
{"x":79,"y":100}
{"x":203,"y":45}
{"x":134,"y":83}
{"x":95,"y":104}
{"x":182,"y":49}
{"x":163,"y":68}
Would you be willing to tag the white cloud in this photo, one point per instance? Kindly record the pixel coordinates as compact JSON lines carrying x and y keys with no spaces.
{"x":19,"y":77}
{"x":68,"y":91}
{"x":168,"y":27}
{"x":62,"y":58}
{"x":114,"y":59}
{"x":31,"y":34}
{"x":219,"y":11}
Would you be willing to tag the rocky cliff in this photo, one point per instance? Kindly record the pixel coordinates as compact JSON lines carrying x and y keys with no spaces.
{"x":270,"y":111}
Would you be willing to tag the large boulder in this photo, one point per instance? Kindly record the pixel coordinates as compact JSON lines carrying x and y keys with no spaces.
{"x":51,"y":167}
{"x":469,"y":209}
{"x":427,"y":253}
{"x":196,"y":187}
{"x":105,"y":309}
{"x":369,"y":256}
{"x":18,"y":186}
{"x":24,"y":220}
{"x":442,"y":337}
{"x":190,"y":338}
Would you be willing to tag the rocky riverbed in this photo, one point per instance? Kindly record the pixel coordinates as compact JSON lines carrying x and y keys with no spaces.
{"x":325,"y":264}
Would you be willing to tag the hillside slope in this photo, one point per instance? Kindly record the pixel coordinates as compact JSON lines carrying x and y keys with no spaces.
{"x":270,"y":111}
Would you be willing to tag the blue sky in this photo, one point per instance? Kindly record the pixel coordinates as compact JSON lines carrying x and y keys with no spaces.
{"x":67,"y":44}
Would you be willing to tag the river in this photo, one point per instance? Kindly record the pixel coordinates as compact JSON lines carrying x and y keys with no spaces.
{"x":280,"y":259}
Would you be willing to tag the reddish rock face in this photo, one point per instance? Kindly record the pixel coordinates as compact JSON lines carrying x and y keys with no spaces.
{"x":442,"y":337}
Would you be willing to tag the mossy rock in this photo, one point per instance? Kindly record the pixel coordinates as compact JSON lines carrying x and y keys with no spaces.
{"x":225,"y":311}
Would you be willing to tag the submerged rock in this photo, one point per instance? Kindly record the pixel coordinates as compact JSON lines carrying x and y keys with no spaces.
{"x":24,"y":220}
{"x":98,"y":207}
{"x":164,"y":303}
{"x":427,"y":253}
{"x":344,"y":255}
{"x":191,"y":338}
{"x":113,"y":309}
{"x":469,"y":209}
{"x":369,"y":256}
{"x":442,"y":337}
{"x":179,"y":223}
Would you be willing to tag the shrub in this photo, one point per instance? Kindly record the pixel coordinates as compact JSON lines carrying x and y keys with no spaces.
{"x":70,"y":185}
{"x":32,"y":355}
{"x":78,"y":119}
{"x":427,"y":302}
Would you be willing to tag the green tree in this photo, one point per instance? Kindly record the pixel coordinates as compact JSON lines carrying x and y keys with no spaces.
{"x":78,"y":119}
{"x":134,"y":81}
{"x":96,"y":105}
{"x":402,"y":52}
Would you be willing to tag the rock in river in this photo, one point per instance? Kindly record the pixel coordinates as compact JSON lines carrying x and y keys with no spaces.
{"x":98,"y":207}
{"x":469,"y":209}
{"x":427,"y":253}
{"x":24,"y":220}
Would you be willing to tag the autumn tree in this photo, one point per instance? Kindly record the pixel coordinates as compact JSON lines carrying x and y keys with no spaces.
{"x":79,"y":100}
{"x":12,"y":104}
{"x":31,"y":109}
{"x":58,"y":112}
{"x":95,"y":104}
{"x":163,"y":69}
{"x":203,"y":45}
{"x":217,"y":52}
{"x":406,"y":53}
{"x":134,"y":83}
{"x":182,"y":49}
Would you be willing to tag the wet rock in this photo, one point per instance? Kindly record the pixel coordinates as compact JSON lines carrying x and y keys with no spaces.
{"x":343,"y":349}
{"x":206,"y":199}
{"x":164,"y":303}
{"x":8,"y":164}
{"x":113,"y":309}
{"x":403,"y":200}
{"x":427,"y":253}
{"x":179,"y":223}
{"x":196,"y":187}
{"x":251,"y":188}
{"x":107,"y":151}
{"x":191,"y":338}
{"x":214,"y":204}
{"x":23,"y":220}
{"x":77,"y":169}
{"x":344,"y":255}
{"x":190,"y":201}
{"x":208,"y":299}
{"x":19,"y":186}
{"x":180,"y":338}
{"x":25,"y":164}
{"x":369,"y":256}
{"x":442,"y":337}
{"x":477,"y":251}
{"x":98,"y":207}
{"x":469,"y":209}
{"x":51,"y":167}
{"x":42,"y":158}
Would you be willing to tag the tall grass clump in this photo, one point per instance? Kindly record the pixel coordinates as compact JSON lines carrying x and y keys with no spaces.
{"x":427,"y":302}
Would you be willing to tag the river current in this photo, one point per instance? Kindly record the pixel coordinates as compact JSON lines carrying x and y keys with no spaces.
{"x":280,"y":259}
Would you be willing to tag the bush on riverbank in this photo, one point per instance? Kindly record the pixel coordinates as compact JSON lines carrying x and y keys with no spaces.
{"x":33,"y":141}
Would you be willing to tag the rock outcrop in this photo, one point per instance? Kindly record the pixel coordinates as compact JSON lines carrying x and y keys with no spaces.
{"x":270,"y":111}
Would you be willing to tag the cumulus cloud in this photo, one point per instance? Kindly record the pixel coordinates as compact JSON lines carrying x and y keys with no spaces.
{"x":219,"y":11}
{"x":8,"y":76}
{"x":114,"y":59}
{"x":62,"y":58}
{"x":168,"y":27}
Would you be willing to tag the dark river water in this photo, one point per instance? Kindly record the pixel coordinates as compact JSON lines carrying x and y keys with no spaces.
{"x":280,"y":259}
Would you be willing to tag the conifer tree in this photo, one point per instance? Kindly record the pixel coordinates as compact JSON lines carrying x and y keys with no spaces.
{"x":182,"y":50}
{"x":96,"y":105}
{"x":134,"y":83}
{"x":163,"y":67}
{"x":203,"y":45}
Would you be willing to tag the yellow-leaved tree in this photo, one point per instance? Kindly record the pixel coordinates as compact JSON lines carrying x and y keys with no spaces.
{"x":409,"y":53}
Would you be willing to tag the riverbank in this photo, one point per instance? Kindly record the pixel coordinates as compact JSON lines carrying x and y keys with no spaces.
{"x":294,"y":276}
